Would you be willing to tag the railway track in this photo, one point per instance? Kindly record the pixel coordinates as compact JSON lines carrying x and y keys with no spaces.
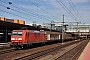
{"x":71,"y":53}
{"x":38,"y":54}
{"x":7,"y":51}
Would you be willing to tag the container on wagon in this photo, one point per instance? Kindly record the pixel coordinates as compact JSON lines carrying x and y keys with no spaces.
{"x":2,"y":18}
{"x":15,"y":21}
{"x":9,"y":20}
{"x":21,"y":22}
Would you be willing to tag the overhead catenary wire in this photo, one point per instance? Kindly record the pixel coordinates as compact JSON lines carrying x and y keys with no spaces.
{"x":14,"y":14}
{"x":18,"y":7}
{"x":23,"y":9}
{"x":67,"y":10}
{"x":26,"y":11}
{"x":72,"y":7}
{"x":43,"y":9}
{"x":76,"y":10}
{"x":36,"y":15}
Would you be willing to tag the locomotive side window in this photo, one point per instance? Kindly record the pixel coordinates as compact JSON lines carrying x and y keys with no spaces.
{"x":27,"y":34}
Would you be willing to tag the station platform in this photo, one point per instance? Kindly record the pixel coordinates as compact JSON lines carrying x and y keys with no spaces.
{"x":86,"y":53}
{"x":4,"y":45}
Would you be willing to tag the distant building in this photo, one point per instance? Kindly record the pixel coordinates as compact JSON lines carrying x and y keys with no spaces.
{"x":53,"y":26}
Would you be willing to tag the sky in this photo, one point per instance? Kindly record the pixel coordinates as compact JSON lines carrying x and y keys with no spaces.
{"x":45,"y":11}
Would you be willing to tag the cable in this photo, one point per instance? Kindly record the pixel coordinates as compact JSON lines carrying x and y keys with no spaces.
{"x":13,"y":14}
{"x":77,"y":11}
{"x":13,"y":10}
{"x":26,"y":11}
{"x":66,"y":10}
{"x":42,"y":9}
{"x":73,"y":7}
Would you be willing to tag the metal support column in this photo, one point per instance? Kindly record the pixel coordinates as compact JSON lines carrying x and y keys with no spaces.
{"x":63,"y":30}
{"x":6,"y":35}
{"x":78,"y":30}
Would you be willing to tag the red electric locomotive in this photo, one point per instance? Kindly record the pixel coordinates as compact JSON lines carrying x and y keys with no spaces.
{"x":25,"y":38}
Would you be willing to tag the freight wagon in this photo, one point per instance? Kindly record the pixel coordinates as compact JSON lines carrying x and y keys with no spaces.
{"x":69,"y":37}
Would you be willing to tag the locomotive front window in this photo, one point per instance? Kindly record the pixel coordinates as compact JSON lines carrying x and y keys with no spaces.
{"x":17,"y":33}
{"x":14,"y":33}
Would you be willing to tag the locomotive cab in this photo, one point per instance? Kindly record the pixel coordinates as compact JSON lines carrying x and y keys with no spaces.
{"x":17,"y":38}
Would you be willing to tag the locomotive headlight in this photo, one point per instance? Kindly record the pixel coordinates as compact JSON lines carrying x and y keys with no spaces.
{"x":19,"y":38}
{"x":12,"y":38}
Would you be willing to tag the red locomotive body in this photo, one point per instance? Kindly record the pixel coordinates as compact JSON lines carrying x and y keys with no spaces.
{"x":21,"y":38}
